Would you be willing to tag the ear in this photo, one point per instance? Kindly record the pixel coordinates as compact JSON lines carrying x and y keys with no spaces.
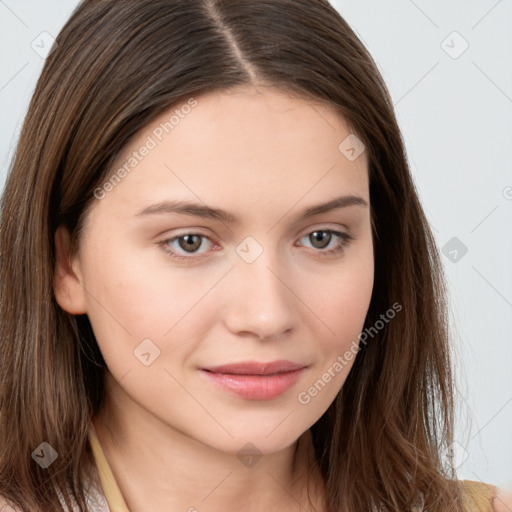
{"x":67,"y":280}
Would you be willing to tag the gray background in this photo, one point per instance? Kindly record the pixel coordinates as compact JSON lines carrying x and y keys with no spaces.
{"x":455,"y":112}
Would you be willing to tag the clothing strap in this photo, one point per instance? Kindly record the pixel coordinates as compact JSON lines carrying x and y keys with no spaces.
{"x":108,"y":482}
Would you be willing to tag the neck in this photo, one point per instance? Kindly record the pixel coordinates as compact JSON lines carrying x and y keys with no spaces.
{"x":159,"y":467}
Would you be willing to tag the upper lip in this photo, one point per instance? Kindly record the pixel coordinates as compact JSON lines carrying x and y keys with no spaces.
{"x":256,"y":368}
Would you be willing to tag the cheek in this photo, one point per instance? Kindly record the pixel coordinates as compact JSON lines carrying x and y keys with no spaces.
{"x":347,"y":305}
{"x":343,"y":311}
{"x":342,"y":303}
{"x":342,"y":298}
{"x":130,"y":300}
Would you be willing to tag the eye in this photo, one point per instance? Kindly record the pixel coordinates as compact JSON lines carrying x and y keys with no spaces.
{"x":189,"y":243}
{"x":321,"y":238}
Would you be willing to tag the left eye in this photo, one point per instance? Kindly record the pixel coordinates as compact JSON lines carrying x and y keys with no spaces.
{"x":318,"y":236}
{"x":191,"y":242}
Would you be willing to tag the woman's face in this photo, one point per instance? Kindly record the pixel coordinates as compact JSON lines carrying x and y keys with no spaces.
{"x":170,"y":293}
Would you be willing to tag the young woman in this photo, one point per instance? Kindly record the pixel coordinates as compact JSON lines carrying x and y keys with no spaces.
{"x":219,"y":290}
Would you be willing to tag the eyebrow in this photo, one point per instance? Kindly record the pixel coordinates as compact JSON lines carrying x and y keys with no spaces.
{"x":206,"y":212}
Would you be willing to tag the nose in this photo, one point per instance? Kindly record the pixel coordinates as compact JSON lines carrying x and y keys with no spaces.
{"x":260,"y":299}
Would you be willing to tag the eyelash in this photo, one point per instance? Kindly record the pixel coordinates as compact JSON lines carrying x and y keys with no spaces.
{"x":345,"y":241}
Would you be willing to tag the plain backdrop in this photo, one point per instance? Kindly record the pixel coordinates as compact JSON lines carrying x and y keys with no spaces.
{"x":448,"y":66}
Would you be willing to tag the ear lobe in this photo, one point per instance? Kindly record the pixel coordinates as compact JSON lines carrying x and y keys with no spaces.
{"x":67,"y":282}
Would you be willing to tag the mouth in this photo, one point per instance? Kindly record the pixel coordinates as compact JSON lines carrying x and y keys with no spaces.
{"x":256,"y":380}
{"x":256,"y":368}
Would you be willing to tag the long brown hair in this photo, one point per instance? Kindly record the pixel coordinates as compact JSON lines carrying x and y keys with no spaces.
{"x":117,"y":65}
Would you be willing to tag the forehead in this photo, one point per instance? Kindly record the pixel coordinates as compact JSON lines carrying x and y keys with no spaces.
{"x":255,"y":145}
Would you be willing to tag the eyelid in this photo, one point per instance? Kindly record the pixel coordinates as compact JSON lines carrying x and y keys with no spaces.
{"x":324,"y":227}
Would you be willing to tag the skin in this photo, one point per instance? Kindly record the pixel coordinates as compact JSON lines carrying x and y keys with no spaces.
{"x":503,"y":500}
{"x":170,"y":435}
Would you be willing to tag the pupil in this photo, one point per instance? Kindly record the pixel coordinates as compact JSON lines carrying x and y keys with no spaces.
{"x":191,"y":241}
{"x":319,"y":235}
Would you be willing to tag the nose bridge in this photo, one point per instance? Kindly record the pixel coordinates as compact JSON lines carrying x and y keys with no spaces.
{"x":261,"y":301}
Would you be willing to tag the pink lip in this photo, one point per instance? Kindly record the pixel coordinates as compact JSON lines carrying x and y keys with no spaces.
{"x":256,"y":367}
{"x":254,"y":380}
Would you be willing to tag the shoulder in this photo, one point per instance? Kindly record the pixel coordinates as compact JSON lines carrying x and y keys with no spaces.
{"x":502,"y":501}
{"x":483,"y":497}
{"x":6,"y":507}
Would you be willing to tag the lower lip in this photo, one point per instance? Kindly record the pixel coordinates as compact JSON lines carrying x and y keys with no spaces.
{"x":256,"y":387}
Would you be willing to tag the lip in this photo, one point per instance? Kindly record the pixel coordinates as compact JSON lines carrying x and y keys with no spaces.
{"x":254,"y":380}
{"x":256,"y":367}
